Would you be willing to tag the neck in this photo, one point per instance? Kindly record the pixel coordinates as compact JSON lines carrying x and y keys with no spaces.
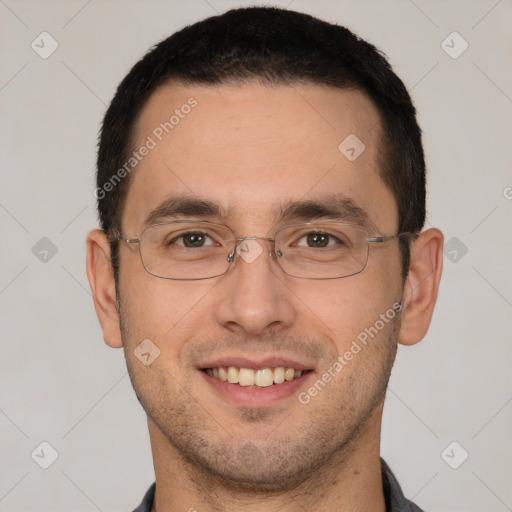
{"x":350,"y":480}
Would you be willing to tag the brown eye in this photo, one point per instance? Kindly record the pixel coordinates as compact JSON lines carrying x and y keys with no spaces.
{"x":318,"y":239}
{"x":192,"y":239}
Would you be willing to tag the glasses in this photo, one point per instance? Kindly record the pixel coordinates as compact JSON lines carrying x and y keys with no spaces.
{"x":193,"y":250}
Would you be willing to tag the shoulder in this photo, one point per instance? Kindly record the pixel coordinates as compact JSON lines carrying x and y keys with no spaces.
{"x":395,"y":499}
{"x":147,"y":502}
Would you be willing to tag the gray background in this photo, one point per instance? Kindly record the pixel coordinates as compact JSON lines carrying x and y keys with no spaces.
{"x":62,"y":385}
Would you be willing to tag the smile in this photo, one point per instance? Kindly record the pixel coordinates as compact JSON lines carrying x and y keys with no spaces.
{"x":260,"y":378}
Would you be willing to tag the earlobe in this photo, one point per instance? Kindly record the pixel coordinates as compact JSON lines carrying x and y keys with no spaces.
{"x":421,"y":287}
{"x":101,"y":281}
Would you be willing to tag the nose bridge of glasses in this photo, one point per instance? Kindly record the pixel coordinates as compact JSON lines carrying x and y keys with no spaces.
{"x":249,"y":251}
{"x":254,"y":238}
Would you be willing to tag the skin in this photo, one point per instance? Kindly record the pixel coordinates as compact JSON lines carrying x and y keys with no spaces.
{"x":251,"y":147}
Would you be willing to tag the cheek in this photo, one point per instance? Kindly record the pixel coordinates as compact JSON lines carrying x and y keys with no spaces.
{"x":161,"y":310}
{"x":348,"y":308}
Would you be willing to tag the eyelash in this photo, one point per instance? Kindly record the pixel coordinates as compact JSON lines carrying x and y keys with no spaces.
{"x":304,"y":235}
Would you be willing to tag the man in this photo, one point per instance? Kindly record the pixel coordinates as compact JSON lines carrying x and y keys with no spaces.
{"x":261,"y":189}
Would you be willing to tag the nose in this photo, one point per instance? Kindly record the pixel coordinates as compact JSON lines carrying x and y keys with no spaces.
{"x":255,"y":298}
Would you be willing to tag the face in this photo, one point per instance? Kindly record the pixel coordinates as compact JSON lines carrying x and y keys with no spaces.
{"x":254,"y":150}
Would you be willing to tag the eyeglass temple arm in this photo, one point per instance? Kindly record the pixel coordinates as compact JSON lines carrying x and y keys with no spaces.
{"x":115,"y":236}
{"x":381,"y":239}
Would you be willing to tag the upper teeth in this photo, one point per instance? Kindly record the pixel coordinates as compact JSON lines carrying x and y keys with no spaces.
{"x":247,"y":377}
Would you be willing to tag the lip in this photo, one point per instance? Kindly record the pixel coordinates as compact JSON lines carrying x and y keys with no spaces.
{"x":257,"y":364}
{"x":255,"y":397}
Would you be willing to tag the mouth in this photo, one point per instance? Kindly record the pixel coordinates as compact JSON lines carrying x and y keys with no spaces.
{"x":254,"y":382}
{"x":255,"y":378}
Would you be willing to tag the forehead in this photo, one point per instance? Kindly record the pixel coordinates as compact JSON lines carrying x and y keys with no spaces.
{"x":253,"y":148}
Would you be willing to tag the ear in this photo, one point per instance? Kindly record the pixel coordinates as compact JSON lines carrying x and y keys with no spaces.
{"x":101,"y":281}
{"x":421,"y":287}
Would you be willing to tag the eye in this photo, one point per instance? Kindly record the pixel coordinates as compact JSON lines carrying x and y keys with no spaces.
{"x":192,"y":239}
{"x":319,"y":240}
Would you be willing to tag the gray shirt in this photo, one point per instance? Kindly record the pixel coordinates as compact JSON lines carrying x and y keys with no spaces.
{"x":395,"y":499}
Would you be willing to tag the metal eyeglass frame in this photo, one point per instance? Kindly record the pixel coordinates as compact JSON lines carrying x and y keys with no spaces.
{"x":116,"y":236}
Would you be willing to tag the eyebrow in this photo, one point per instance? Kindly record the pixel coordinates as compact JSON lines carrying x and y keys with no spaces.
{"x":186,"y":206}
{"x":331,"y":207}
